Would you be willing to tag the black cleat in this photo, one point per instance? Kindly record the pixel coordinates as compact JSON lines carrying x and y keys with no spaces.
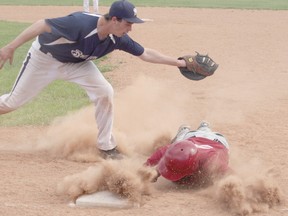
{"x":113,"y":154}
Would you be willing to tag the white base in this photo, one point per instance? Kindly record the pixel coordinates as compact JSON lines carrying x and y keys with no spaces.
{"x":103,"y":199}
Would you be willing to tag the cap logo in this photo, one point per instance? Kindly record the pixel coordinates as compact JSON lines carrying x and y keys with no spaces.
{"x":135,"y":11}
{"x":123,"y":9}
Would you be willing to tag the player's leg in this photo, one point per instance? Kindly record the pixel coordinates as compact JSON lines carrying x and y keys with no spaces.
{"x":32,"y":78}
{"x":205,"y":131}
{"x":86,"y":5}
{"x":96,"y":6}
{"x":101,"y":93}
{"x":182,"y":131}
{"x":205,"y":127}
{"x":220,"y":138}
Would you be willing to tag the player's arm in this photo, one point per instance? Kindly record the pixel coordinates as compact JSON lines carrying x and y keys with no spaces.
{"x":7,"y":52}
{"x":153,"y":56}
{"x":154,"y":159}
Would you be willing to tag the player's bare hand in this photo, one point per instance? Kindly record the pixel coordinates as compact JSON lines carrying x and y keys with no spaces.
{"x":6,"y":53}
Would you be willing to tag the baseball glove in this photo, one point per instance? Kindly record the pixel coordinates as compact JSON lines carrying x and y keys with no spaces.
{"x":198,"y":66}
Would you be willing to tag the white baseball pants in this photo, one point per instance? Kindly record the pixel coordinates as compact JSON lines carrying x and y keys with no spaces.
{"x":206,"y":132}
{"x":86,"y":5}
{"x":39,"y":70}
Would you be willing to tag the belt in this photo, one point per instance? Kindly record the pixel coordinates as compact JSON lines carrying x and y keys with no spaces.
{"x":43,"y":50}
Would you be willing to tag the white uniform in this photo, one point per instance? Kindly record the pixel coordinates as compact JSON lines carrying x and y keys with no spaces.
{"x":204,"y":132}
{"x":86,"y":6}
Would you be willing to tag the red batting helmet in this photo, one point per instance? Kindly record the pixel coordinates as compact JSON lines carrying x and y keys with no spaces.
{"x":178,"y":160}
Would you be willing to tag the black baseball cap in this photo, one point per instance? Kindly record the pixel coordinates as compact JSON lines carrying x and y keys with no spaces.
{"x":125,"y":10}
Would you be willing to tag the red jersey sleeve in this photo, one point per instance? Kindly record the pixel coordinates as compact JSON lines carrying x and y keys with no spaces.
{"x":156,"y":156}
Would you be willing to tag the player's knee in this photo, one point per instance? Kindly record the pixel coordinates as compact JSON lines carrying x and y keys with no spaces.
{"x":109,"y":91}
{"x":106,"y":92}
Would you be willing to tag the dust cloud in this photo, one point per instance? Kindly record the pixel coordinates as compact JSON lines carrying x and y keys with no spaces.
{"x":247,"y":196}
{"x":252,"y":188}
{"x":146,"y":118}
{"x":129,"y":179}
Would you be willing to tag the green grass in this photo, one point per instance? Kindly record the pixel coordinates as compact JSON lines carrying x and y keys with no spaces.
{"x":240,"y":4}
{"x":56,"y":100}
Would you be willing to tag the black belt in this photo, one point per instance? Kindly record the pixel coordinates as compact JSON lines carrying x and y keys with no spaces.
{"x":42,"y":49}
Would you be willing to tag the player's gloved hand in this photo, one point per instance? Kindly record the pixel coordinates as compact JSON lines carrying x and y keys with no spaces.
{"x":197,"y":66}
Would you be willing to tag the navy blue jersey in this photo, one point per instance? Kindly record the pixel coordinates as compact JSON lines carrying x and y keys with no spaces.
{"x":74,"y":39}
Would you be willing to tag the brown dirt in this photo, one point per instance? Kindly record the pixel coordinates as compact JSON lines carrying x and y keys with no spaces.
{"x":246,"y":100}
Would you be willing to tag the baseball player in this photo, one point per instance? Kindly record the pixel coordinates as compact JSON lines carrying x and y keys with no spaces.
{"x":193,"y":158}
{"x":63,"y":49}
{"x":86,"y":6}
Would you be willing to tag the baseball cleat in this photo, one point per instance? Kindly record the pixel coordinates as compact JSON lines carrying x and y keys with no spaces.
{"x":204,"y":125}
{"x":113,"y":154}
{"x":182,"y":131}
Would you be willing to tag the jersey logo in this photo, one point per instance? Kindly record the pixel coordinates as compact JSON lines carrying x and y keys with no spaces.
{"x":78,"y":54}
{"x":135,"y":11}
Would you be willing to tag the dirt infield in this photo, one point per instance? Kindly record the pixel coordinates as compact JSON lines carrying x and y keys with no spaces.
{"x":246,"y":100}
